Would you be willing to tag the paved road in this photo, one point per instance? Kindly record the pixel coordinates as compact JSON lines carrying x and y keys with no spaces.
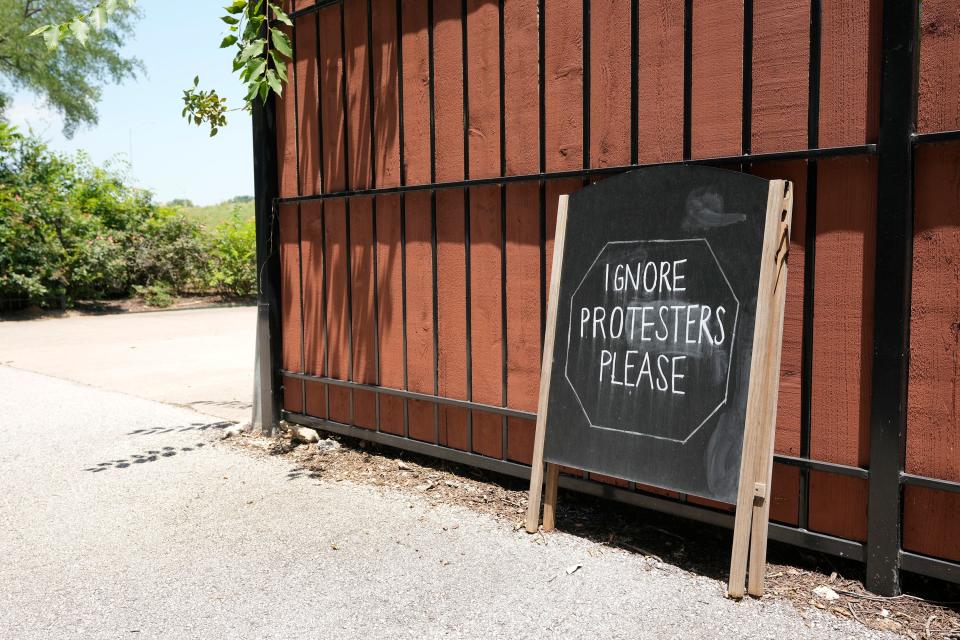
{"x":200,"y":358}
{"x":126,"y":518}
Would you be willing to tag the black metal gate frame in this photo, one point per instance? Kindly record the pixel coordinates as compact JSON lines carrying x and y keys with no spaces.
{"x":883,"y":552}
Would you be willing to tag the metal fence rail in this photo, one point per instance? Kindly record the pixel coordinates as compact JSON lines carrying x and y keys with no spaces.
{"x":882,"y":553}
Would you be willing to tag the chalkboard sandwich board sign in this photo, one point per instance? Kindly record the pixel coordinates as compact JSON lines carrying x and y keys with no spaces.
{"x":662,"y":350}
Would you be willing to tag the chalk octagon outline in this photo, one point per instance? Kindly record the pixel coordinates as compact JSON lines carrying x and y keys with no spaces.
{"x":733,"y":337}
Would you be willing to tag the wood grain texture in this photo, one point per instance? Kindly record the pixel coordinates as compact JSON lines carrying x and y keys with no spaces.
{"x":563,"y":86}
{"x":363,"y":330}
{"x":751,"y":519}
{"x":292,"y":395}
{"x":485,"y":317}
{"x":717,"y":81}
{"x":660,"y":100}
{"x":781,"y":55}
{"x":419,"y":287}
{"x":416,"y":91}
{"x":843,"y":341}
{"x":838,"y":505}
{"x":939,"y":97}
{"x":332,"y":120}
{"x":521,"y":86}
{"x":452,"y":315}
{"x":308,"y":117}
{"x":610,"y":33}
{"x":930,"y":523}
{"x":338,"y":317}
{"x":287,"y":142}
{"x":843,"y":310}
{"x":849,"y":72}
{"x":448,"y":90}
{"x":357,"y":51}
{"x":523,"y":314}
{"x":315,"y":399}
{"x":532,"y":523}
{"x":788,"y":407}
{"x":933,"y":418}
{"x":290,"y":288}
{"x":483,"y":88}
{"x":312,"y":253}
{"x":386,"y":108}
{"x":390,"y":318}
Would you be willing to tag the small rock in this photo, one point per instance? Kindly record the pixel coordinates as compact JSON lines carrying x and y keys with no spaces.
{"x":403,"y":466}
{"x":305,"y":435}
{"x":573,"y":568}
{"x":327,"y":445}
{"x":232,"y":431}
{"x":826,"y":593}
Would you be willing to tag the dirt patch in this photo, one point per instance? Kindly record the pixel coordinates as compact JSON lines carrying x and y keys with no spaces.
{"x":803,"y":578}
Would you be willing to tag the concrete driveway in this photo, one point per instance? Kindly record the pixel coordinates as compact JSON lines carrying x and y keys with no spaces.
{"x":122,"y":517}
{"x":201,"y":358}
{"x":126,"y":518}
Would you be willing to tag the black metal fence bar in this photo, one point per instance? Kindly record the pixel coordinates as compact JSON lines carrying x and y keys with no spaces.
{"x":783,"y":533}
{"x":929,"y":483}
{"x":800,"y":154}
{"x":932,"y":567}
{"x":894,"y":267}
{"x":507,"y":412}
{"x":938,"y":136}
{"x":883,"y":551}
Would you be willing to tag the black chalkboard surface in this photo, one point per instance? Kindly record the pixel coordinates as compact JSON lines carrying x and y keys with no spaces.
{"x":655,"y":327}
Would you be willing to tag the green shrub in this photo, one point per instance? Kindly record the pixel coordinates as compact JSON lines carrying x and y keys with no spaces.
{"x":70,"y":230}
{"x":233,"y":256}
{"x":155,"y":295}
{"x":170,"y":249}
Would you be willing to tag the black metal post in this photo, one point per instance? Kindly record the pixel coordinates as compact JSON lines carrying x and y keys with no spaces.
{"x":268,"y":263}
{"x":894,"y":255}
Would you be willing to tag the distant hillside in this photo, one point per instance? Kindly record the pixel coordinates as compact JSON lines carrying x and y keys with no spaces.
{"x":214,"y":214}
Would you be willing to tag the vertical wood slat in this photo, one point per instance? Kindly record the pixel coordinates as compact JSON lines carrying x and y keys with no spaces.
{"x":850,"y":72}
{"x":717,"y":82}
{"x":332,"y":119}
{"x":781,"y":31}
{"x":415,"y":74}
{"x":419,"y":330}
{"x":521,"y":90}
{"x":660,"y":99}
{"x":483,"y":85}
{"x":933,"y":440}
{"x":485,"y":317}
{"x":939,"y":91}
{"x":610,"y":84}
{"x":451,"y":316}
{"x":314,"y":320}
{"x":390,"y":320}
{"x":563,"y":84}
{"x":307,"y":101}
{"x":843,"y":335}
{"x":386,"y":116}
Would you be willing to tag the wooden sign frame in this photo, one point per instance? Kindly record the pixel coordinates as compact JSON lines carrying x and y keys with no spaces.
{"x":756,"y":463}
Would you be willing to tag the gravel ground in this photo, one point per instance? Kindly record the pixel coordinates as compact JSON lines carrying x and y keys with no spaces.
{"x":123,"y":517}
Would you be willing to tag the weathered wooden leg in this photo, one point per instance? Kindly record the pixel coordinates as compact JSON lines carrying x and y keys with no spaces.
{"x":550,"y":498}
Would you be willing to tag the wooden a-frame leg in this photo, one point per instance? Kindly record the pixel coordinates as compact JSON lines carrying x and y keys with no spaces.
{"x":550,"y":497}
{"x":533,"y":498}
{"x":536,"y":472}
{"x":753,"y":497}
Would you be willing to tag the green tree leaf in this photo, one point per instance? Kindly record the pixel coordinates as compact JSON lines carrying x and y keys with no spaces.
{"x":281,"y":43}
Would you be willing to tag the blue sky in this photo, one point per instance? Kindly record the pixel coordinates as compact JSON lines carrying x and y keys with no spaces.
{"x":140,"y":120}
